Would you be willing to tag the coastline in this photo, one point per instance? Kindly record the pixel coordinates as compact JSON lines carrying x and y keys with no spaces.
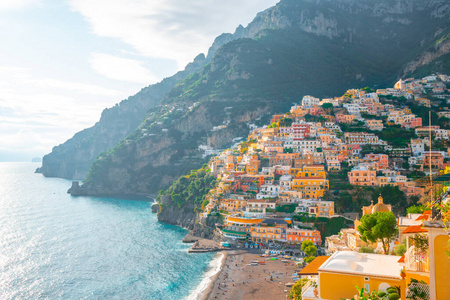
{"x":204,"y":288}
{"x":209,"y":289}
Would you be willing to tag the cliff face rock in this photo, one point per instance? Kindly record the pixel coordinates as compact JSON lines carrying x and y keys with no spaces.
{"x":318,"y":47}
{"x":172,"y":214}
{"x":440,"y":50}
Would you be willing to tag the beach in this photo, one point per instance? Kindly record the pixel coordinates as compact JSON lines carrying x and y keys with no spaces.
{"x":237,"y":279}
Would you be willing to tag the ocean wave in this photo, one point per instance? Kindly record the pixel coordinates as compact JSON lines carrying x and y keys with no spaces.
{"x":211,"y":271}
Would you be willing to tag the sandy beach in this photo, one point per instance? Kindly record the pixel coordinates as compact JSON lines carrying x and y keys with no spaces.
{"x":238,"y":280}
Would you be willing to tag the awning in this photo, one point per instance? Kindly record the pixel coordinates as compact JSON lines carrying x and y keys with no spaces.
{"x":313,"y":267}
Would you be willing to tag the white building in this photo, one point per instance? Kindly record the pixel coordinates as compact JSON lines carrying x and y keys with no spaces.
{"x":310,"y":101}
{"x":417,"y":147}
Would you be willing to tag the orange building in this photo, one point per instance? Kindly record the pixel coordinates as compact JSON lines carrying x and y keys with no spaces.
{"x":340,"y":118}
{"x":265,"y":234}
{"x":300,"y":235}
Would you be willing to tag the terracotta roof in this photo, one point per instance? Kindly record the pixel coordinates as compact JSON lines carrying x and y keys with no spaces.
{"x":414,"y":229}
{"x":313,"y":267}
{"x":424,"y":215}
{"x":402,"y":259}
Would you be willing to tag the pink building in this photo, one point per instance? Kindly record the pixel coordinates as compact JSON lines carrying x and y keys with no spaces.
{"x":415,"y":122}
{"x":316,"y":110}
{"x":361,"y":175}
{"x":300,"y":131}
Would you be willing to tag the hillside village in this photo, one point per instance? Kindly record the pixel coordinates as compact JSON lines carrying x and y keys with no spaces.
{"x":284,"y":168}
{"x":311,"y":176}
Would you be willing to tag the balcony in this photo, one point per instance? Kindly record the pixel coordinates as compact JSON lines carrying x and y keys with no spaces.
{"x":308,"y":288}
{"x":416,"y":261}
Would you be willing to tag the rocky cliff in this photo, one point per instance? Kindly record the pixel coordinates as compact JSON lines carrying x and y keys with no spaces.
{"x":319,"y":47}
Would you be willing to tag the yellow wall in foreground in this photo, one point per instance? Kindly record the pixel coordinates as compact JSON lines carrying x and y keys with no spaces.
{"x":417,"y":277}
{"x":442,"y":265}
{"x":337,"y":286}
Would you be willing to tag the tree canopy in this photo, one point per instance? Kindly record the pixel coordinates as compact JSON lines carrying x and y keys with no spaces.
{"x":379,"y":226}
{"x":309,"y":248}
{"x":415,"y":209}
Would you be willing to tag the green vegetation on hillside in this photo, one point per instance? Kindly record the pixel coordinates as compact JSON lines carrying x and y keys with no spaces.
{"x":352,"y":200}
{"x":326,"y":226}
{"x":190,"y":190}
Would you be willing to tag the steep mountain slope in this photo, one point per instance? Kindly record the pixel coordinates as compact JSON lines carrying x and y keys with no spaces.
{"x":73,"y":159}
{"x":316,"y":47}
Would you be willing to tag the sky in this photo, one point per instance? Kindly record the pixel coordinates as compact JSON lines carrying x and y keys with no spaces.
{"x":63,"y":61}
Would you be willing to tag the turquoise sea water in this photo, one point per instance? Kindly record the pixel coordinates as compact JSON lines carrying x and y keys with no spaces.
{"x":55,"y":246}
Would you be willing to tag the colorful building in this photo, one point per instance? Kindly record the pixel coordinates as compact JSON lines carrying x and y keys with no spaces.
{"x":338,"y":276}
{"x":312,"y":187}
{"x":361,"y":175}
{"x":300,"y":235}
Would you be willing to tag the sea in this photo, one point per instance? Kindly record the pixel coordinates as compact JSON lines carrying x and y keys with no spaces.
{"x":56,"y":246}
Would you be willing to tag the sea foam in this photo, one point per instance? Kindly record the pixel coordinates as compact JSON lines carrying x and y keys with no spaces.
{"x":212,"y":269}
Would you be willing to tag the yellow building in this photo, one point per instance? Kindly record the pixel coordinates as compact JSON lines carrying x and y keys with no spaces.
{"x":232,"y":205}
{"x":265,"y":234}
{"x":312,"y":187}
{"x":438,"y":239}
{"x":432,"y":267}
{"x":252,"y":168}
{"x":309,"y":171}
{"x":337,"y":277}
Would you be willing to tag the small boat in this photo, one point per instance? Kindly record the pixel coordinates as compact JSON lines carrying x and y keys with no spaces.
{"x":289,"y":284}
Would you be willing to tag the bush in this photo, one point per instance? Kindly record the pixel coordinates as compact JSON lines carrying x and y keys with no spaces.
{"x":415,"y":209}
{"x":288,"y":208}
{"x":400,"y":249}
{"x":309,"y":259}
{"x":367,"y":249}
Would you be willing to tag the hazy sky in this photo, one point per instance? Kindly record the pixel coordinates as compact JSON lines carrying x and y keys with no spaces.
{"x":63,"y":61}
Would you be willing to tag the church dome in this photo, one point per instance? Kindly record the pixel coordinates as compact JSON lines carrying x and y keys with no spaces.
{"x":380,"y":206}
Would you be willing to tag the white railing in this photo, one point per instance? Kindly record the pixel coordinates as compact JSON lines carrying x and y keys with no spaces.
{"x":417,"y":290}
{"x":415,"y":261}
{"x":309,"y":285}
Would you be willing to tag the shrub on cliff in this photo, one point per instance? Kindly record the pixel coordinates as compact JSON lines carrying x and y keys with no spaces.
{"x":190,"y":190}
